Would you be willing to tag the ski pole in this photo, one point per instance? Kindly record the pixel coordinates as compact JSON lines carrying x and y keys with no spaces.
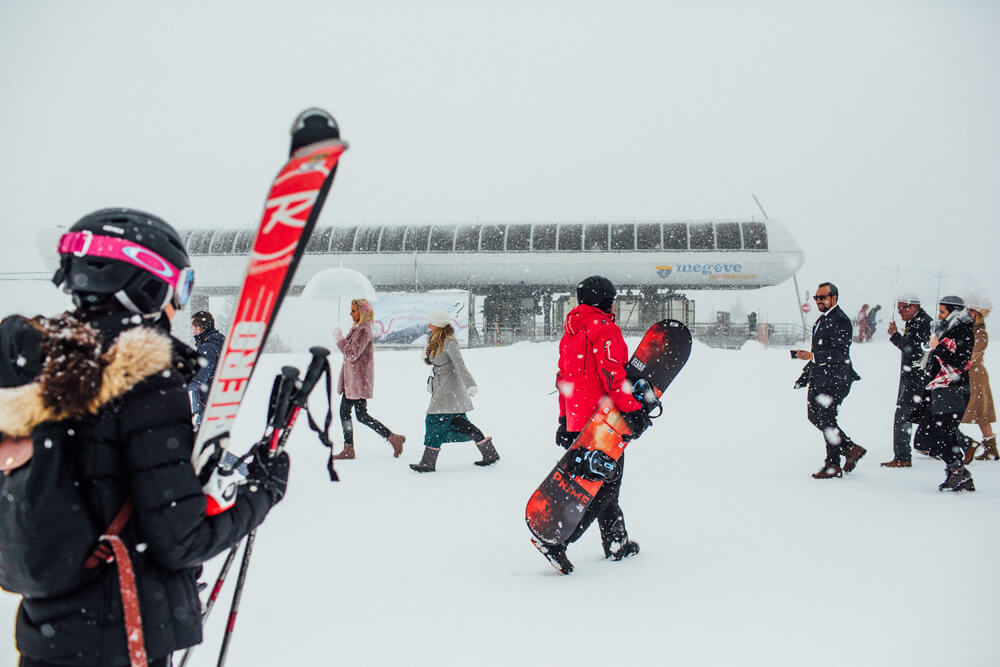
{"x":300,"y":398}
{"x":214,"y":595}
{"x":237,"y":596}
{"x":281,"y":409}
{"x":288,"y":396}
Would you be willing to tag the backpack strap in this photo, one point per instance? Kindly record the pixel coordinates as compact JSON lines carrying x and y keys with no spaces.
{"x":112,"y":547}
{"x":130,"y":602}
{"x":104,"y":553}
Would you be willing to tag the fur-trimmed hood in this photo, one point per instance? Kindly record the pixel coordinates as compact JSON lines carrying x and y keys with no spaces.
{"x":59,"y":393}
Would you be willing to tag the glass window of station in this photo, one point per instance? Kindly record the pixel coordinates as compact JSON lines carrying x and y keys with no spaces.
{"x":499,"y":237}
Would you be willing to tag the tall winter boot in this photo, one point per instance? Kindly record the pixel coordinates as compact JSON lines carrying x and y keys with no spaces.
{"x":958,"y":479}
{"x":428,"y":461}
{"x":396,"y":441}
{"x":488,"y":451}
{"x":348,"y":452}
{"x":989,"y":450}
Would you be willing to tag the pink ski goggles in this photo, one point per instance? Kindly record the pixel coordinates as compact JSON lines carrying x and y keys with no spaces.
{"x":88,"y":244}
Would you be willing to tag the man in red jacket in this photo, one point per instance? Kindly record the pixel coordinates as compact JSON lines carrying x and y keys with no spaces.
{"x":592,"y":358}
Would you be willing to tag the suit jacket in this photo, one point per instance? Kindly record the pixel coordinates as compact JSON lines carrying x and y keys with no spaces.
{"x":910,"y":342}
{"x":831,"y":350}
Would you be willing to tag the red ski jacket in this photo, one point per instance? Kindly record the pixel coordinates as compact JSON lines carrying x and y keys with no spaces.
{"x":592,"y":357}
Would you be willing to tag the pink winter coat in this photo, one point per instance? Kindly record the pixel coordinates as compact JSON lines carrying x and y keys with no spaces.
{"x":357,"y":374}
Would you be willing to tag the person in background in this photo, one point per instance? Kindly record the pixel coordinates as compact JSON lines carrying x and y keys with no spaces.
{"x":829,"y":376}
{"x":947,"y":363}
{"x":592,"y":358}
{"x":911,"y":397}
{"x":109,"y":381}
{"x":209,"y":343}
{"x":862,"y":324}
{"x":357,"y":380}
{"x":452,"y":388}
{"x":980,"y":410}
{"x":872,"y":321}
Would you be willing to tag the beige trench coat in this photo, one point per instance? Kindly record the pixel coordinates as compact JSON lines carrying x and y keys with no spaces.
{"x":980,"y":409}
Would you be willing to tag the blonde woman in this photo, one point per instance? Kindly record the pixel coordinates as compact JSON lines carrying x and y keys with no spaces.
{"x":452,"y":388}
{"x":357,"y":379}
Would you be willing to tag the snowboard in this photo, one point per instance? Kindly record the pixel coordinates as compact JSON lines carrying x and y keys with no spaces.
{"x":556,"y":508}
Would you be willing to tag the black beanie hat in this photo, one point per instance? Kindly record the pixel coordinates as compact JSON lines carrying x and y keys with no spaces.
{"x":596,"y":291}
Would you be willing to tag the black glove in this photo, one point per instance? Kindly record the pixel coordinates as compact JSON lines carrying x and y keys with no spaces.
{"x":637,"y":421}
{"x":564,"y":438}
{"x":269,"y":473}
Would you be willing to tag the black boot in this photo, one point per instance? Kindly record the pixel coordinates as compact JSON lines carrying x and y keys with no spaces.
{"x":614,"y":537}
{"x":488,"y":451}
{"x":428,"y":461}
{"x":958,"y":479}
{"x":555,"y":554}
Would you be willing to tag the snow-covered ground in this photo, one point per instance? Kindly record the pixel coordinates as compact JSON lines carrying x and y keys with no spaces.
{"x":746,"y":560}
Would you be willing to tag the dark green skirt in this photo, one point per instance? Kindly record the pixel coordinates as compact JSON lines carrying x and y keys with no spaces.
{"x":438,"y":430}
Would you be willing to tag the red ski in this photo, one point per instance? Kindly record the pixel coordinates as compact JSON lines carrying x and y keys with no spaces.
{"x":290,"y":213}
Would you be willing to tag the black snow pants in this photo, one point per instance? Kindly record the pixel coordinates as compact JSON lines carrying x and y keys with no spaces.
{"x":606,"y":510}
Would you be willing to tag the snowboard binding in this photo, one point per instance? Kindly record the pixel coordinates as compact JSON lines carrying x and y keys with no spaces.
{"x":595,"y":465}
{"x":643,"y":392}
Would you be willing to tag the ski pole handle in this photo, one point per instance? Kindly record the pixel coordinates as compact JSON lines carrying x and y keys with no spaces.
{"x":282,"y":396}
{"x":317,"y":365}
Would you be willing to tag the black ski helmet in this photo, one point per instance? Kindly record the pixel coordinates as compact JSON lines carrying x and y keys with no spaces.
{"x":596,"y":291}
{"x":129,"y":255}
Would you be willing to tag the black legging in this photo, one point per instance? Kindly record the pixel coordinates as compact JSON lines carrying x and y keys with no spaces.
{"x":360,"y":406}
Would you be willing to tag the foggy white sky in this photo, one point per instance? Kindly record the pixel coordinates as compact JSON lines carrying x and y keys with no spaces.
{"x":868,"y":128}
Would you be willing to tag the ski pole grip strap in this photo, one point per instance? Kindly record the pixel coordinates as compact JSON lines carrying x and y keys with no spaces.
{"x":103,"y":552}
{"x":130,"y":602}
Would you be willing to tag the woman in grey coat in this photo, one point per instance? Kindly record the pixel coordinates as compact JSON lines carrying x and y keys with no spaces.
{"x":452,"y":388}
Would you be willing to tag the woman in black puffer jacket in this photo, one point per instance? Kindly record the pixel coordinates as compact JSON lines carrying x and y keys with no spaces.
{"x":112,"y":383}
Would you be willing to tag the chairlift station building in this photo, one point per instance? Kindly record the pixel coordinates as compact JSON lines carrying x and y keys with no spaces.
{"x":521,"y":270}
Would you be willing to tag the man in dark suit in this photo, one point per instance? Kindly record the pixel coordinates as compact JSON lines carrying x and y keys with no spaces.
{"x":829,"y":375}
{"x":912,"y":395}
